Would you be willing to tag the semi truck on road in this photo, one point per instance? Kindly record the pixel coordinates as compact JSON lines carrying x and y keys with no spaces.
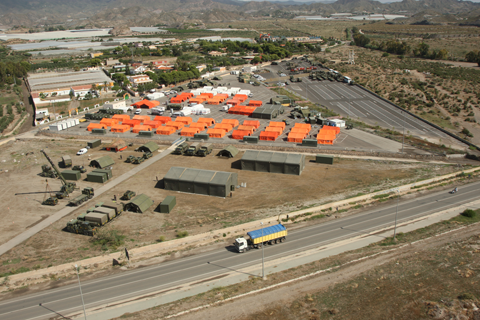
{"x":258,"y":238}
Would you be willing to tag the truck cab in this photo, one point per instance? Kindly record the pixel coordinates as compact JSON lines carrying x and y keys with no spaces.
{"x":181,"y":148}
{"x":193,"y":149}
{"x":241,"y":244}
{"x":205,"y":150}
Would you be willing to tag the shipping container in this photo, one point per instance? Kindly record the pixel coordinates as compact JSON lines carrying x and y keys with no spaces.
{"x":167,"y":205}
{"x":96,"y":177}
{"x":326,"y":159}
{"x":94,"y":143}
{"x":71,"y":175}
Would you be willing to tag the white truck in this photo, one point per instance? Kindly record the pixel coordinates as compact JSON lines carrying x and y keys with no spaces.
{"x":258,"y":238}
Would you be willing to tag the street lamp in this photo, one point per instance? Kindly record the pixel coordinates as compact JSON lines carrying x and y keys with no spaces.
{"x":396,"y":212}
{"x":81,"y":294}
{"x":403,"y":136}
{"x":263,"y":256}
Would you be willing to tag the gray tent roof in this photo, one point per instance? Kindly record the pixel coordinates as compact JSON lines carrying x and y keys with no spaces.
{"x":205,"y":176}
{"x":175,"y":173}
{"x":264,"y":156}
{"x":279,"y":157}
{"x":142,"y":202}
{"x":250,"y":155}
{"x":189,"y":175}
{"x":294,"y":158}
{"x":149,"y":147}
{"x":220,"y":178}
{"x":102,"y":162}
{"x":229,"y":151}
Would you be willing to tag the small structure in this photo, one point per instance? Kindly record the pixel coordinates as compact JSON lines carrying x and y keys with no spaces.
{"x":139,"y":204}
{"x":149,"y":147}
{"x":117,"y":145}
{"x":167,"y":205}
{"x":147,"y":104}
{"x":326,"y":159}
{"x":94,"y":143}
{"x":102,"y":162}
{"x":229,"y":152}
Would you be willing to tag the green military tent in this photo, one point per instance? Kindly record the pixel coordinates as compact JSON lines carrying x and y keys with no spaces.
{"x":149,"y":147}
{"x":102,"y":162}
{"x":140,"y":203}
{"x":274,"y":162}
{"x":206,"y":182}
{"x":229,"y":152}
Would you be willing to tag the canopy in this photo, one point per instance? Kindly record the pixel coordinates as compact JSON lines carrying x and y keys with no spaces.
{"x":149,"y":104}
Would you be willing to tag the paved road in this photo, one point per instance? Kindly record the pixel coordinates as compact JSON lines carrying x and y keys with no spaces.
{"x":169,"y":275}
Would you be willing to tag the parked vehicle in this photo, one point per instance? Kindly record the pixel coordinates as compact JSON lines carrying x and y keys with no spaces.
{"x":205,"y":150}
{"x":82,"y":151}
{"x":181,"y":148}
{"x":67,"y":161}
{"x":193,"y":149}
{"x":52,"y":201}
{"x":128,"y":195}
{"x":87,"y":194}
{"x":79,"y":168}
{"x":258,"y":238}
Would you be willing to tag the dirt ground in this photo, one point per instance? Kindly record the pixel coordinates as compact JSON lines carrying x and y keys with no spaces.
{"x":266,"y":194}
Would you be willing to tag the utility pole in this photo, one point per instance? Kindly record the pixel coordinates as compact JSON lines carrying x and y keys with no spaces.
{"x":396,"y":212}
{"x":403,"y":136}
{"x":263,"y":256}
{"x":81,"y":294}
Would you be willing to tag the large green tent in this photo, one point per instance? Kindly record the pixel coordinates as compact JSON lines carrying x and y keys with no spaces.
{"x":274,"y":162}
{"x":102,"y":162}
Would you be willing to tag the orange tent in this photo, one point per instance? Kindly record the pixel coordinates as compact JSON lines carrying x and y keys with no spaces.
{"x":162,"y":119}
{"x":299,"y":130}
{"x":199,"y":125}
{"x":240,"y":97}
{"x":185,"y":120}
{"x":152,"y":124}
{"x":198,"y":100}
{"x":92,"y":126}
{"x":149,"y":104}
{"x":189,"y":132}
{"x":330,"y":128}
{"x":166,"y":131}
{"x":108,"y":122}
{"x":213,"y":100}
{"x":176,"y":125}
{"x":232,"y":102}
{"x":178,"y":99}
{"x":120,"y":128}
{"x":121,"y":117}
{"x":141,"y":127}
{"x":296,"y":137}
{"x":186,"y":94}
{"x":223,"y":126}
{"x":206,"y":94}
{"x":303,"y":125}
{"x":250,"y":129}
{"x":253,"y":123}
{"x":239,"y":134}
{"x":325,"y":138}
{"x":255,"y":103}
{"x":277,"y":124}
{"x":274,"y":129}
{"x":208,"y":121}
{"x":141,"y":118}
{"x":268,"y":136}
{"x":233,"y":122}
{"x":222,"y":95}
{"x":131,"y":122}
{"x":216,"y":133}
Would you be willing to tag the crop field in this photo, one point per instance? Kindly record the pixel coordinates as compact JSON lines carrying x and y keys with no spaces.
{"x":418,"y":30}
{"x":267,"y":195}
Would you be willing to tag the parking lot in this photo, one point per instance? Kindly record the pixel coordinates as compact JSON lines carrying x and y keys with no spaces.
{"x":347,"y":139}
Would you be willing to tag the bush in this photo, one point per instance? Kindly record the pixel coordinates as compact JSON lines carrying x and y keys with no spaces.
{"x":161,"y":239}
{"x":108,"y":238}
{"x":469,"y":213}
{"x":466,"y":296}
{"x":182,"y":234}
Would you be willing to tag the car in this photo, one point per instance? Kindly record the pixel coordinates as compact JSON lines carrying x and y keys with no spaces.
{"x":82,"y":151}
{"x":138,"y":111}
{"x":250,"y":95}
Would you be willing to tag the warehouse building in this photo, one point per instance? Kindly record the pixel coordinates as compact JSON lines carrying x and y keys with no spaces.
{"x":273,"y":162}
{"x":207,"y":182}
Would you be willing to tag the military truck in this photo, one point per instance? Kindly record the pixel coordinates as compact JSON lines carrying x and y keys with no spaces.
{"x":181,"y":148}
{"x":261,"y":237}
{"x":205,"y":150}
{"x":51,"y":201}
{"x":128,"y":195}
{"x":87,"y":193}
{"x":79,"y":168}
{"x":67,"y":161}
{"x":130,"y":159}
{"x":48,"y":172}
{"x":193,"y":149}
{"x":147,"y":155}
{"x":67,"y":187}
{"x":88,"y":222}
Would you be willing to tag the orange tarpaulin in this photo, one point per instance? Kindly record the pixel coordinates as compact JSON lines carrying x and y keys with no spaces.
{"x":189,"y":132}
{"x":131,"y":122}
{"x":274,"y":129}
{"x":176,"y":125}
{"x":222,"y":95}
{"x":239,"y":134}
{"x":208,"y":121}
{"x":227,"y":127}
{"x":141,"y":118}
{"x":325,"y":138}
{"x":246,"y":128}
{"x":166,"y":131}
{"x":206,"y":94}
{"x":178,"y":99}
{"x":331,"y":128}
{"x":149,"y":104}
{"x":268,"y":136}
{"x":255,"y":103}
{"x":186,"y":94}
{"x":162,"y":119}
{"x":296,"y":137}
{"x":185,"y":120}
{"x":253,"y":123}
{"x":303,"y":125}
{"x":141,"y":127}
{"x":213,"y":101}
{"x":199,"y":125}
{"x":152,"y":124}
{"x":92,"y":126}
{"x":277,"y":124}
{"x":233,"y":122}
{"x":120,"y":128}
{"x":299,"y":130}
{"x":240,"y":97}
{"x":121,"y":117}
{"x":198,"y":100}
{"x":108,"y":122}
{"x":232,"y":102}
{"x":216,"y":133}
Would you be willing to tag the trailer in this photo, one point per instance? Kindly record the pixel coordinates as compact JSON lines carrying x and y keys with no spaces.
{"x":258,"y":238}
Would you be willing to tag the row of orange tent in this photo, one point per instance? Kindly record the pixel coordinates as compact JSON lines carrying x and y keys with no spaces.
{"x":242,"y":110}
{"x":273,"y":131}
{"x":182,"y":97}
{"x":327,"y":134}
{"x":181,"y":123}
{"x":219,"y":98}
{"x":299,"y":132}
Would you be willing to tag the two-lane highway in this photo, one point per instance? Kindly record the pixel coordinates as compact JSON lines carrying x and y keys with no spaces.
{"x":169,"y":275}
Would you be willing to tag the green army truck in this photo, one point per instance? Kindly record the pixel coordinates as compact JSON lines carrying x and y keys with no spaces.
{"x":181,"y":148}
{"x":87,"y":194}
{"x":67,"y":161}
{"x":193,"y":149}
{"x":205,"y":150}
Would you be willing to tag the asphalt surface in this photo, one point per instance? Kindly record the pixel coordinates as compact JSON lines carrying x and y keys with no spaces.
{"x":214,"y":264}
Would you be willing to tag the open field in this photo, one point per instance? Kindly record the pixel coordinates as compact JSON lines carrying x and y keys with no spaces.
{"x":266,"y":195}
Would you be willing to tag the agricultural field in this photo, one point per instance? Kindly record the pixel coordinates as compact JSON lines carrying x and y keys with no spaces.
{"x":267,"y":195}
{"x":12,"y":111}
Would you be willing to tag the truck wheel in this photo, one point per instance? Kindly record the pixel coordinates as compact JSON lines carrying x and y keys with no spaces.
{"x":283,"y":239}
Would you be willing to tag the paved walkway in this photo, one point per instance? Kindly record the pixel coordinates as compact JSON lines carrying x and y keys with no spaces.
{"x":67,"y":210}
